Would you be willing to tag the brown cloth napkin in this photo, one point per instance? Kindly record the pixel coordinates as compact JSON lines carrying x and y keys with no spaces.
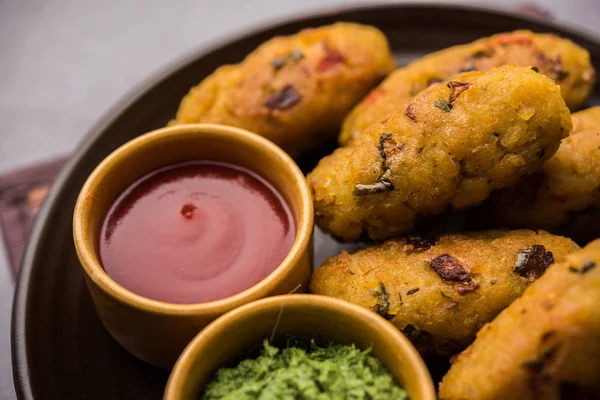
{"x":21,"y":195}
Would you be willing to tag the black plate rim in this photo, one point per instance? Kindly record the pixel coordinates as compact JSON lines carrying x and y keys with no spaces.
{"x":41,"y":228}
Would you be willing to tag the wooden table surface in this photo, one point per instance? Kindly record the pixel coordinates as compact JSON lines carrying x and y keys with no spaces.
{"x":65,"y":62}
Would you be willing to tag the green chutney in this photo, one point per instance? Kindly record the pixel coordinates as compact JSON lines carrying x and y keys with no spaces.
{"x":321,"y":373}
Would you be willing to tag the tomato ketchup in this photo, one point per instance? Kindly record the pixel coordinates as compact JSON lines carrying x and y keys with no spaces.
{"x":196,"y":232}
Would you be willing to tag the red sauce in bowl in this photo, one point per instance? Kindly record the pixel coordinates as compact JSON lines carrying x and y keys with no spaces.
{"x":196,"y":232}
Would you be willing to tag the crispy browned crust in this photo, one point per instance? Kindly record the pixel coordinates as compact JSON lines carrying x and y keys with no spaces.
{"x":294,"y":90}
{"x":565,"y":197}
{"x":544,"y":346}
{"x":420,"y":161}
{"x":439,"y":291}
{"x":559,"y":59}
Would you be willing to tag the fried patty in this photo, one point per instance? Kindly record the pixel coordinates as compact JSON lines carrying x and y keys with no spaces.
{"x":544,"y":346}
{"x":440,"y":290}
{"x":565,"y":197}
{"x":453,"y":144}
{"x":294,"y":90}
{"x":560,"y":59}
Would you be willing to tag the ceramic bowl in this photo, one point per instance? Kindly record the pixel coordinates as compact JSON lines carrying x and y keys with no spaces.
{"x":157,"y":331}
{"x":229,"y":338}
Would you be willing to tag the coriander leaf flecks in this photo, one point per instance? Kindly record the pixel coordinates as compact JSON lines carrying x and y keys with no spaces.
{"x":279,"y":62}
{"x":382,"y":139}
{"x":383,"y":306}
{"x":443,"y":104}
{"x":296,"y":55}
{"x":587,"y":266}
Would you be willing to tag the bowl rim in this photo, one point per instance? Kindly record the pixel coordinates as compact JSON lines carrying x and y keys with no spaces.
{"x":325,"y":304}
{"x":93,"y":268}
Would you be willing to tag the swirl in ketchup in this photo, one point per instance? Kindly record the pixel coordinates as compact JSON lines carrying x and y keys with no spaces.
{"x":196,"y":232}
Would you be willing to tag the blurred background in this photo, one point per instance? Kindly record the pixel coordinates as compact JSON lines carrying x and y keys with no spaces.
{"x":63,"y":63}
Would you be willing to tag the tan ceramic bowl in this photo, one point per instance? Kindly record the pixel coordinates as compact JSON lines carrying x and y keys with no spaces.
{"x":157,"y":331}
{"x":304,"y":316}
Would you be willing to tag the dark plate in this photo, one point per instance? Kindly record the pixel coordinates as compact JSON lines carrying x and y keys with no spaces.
{"x":60,"y":349}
